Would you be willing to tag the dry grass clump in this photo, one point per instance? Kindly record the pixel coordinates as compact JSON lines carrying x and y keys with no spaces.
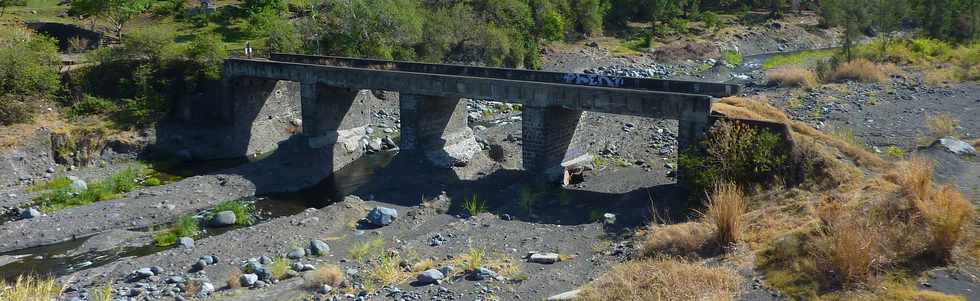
{"x":947,"y":214}
{"x":725,"y":209}
{"x":942,"y":125}
{"x":234,"y":279}
{"x":915,"y":178}
{"x":858,"y":70}
{"x":663,"y":279}
{"x":30,"y":288}
{"x":327,"y":274}
{"x":678,"y":239}
{"x":792,"y":77}
{"x":847,"y":252}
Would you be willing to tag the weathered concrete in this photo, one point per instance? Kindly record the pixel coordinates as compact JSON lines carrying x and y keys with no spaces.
{"x":433,"y":118}
{"x":437,"y":127}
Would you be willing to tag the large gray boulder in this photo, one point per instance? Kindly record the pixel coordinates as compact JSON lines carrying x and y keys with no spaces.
{"x":223,"y":219}
{"x":956,"y":146}
{"x":248,"y":280}
{"x":429,"y":276}
{"x":29,"y":213}
{"x":382,"y":216}
{"x":319,"y":248}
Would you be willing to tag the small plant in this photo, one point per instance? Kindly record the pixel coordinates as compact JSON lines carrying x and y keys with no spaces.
{"x":473,"y":206}
{"x":279,"y":268}
{"x":386,"y":270}
{"x":186,"y":226}
{"x":244,"y":211}
{"x":942,"y":125}
{"x":726,"y":205}
{"x":947,"y":215}
{"x":30,"y":288}
{"x":732,"y":57}
{"x":894,"y":151}
{"x":234,"y":279}
{"x":365,"y":249}
{"x":527,"y":199}
{"x":472,"y":259}
{"x":101,"y":293}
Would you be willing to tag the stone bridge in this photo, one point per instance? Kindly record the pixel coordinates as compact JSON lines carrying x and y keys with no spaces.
{"x":434,"y":120}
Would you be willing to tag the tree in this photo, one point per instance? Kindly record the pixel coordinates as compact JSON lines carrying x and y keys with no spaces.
{"x":116,"y":12}
{"x":852,"y":15}
{"x":886,"y":17}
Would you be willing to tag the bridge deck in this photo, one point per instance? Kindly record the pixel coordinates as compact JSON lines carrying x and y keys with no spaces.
{"x":677,"y":86}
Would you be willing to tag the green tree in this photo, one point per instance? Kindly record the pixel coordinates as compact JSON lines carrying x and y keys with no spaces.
{"x":28,"y":68}
{"x":887,"y":15}
{"x":208,"y":53}
{"x":116,"y":12}
{"x":852,"y":15}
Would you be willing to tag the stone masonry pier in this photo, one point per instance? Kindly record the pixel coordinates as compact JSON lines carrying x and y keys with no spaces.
{"x":434,"y":119}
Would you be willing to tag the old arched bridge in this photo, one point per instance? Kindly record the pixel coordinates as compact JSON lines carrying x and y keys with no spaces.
{"x":433,"y":119}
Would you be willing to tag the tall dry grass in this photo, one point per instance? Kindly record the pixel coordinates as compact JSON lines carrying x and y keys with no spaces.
{"x":914,"y":177}
{"x":942,"y":125}
{"x":792,"y":77}
{"x":663,"y":279}
{"x":846,"y":253}
{"x":30,"y":288}
{"x":858,"y":70}
{"x":678,"y":239}
{"x":327,"y":274}
{"x":947,"y":214}
{"x":725,"y":208}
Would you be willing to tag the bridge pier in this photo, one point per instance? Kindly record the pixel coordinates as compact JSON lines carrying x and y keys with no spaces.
{"x":547,"y":138}
{"x":436,"y":127}
{"x":334,"y":121}
{"x":258,"y":111}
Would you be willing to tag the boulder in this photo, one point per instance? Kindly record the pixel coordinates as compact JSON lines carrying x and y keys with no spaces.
{"x":319,"y":248}
{"x":77,"y":184}
{"x":956,"y":146}
{"x":223,"y":219}
{"x":382,"y":216}
{"x":566,"y":296}
{"x":185,"y":242}
{"x":429,"y":276}
{"x":29,"y":213}
{"x":296,"y":253}
{"x":482,"y":273}
{"x":545,"y":258}
{"x":206,"y":289}
{"x":248,"y":280}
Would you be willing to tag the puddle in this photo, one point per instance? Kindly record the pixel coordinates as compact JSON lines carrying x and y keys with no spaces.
{"x":54,"y":260}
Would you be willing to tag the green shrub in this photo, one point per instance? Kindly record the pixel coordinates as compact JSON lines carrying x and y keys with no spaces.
{"x":732,"y":152}
{"x":15,"y":111}
{"x":244,"y":211}
{"x":474,"y":206}
{"x":91,"y":105}
{"x":732,"y":57}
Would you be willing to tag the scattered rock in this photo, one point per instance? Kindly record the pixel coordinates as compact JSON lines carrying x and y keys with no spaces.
{"x":77,"y":184}
{"x":248,"y":280}
{"x":382,"y":216}
{"x":319,"y":248}
{"x":296,"y":253}
{"x":143,"y":273}
{"x":956,"y":146}
{"x":545,"y":258}
{"x":199,"y":265}
{"x":566,"y":296}
{"x":29,"y":213}
{"x":430,"y":276}
{"x":185,"y":242}
{"x":223,"y":219}
{"x":482,"y":273}
{"x":206,"y":289}
{"x":609,"y":218}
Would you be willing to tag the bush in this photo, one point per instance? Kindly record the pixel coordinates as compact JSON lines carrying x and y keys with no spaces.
{"x":947,"y":214}
{"x":14,"y":111}
{"x":91,"y":105}
{"x":28,"y":63}
{"x":328,"y":274}
{"x":732,"y":57}
{"x":792,"y":77}
{"x":858,"y":70}
{"x":732,"y":152}
{"x":677,"y":240}
{"x":942,"y":125}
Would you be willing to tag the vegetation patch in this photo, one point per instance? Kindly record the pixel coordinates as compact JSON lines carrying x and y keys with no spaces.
{"x":733,"y":152}
{"x":30,"y":288}
{"x":245,"y":212}
{"x":185,"y":226}
{"x":368,"y":248}
{"x":57,"y":195}
{"x":792,"y":77}
{"x":474,"y":206}
{"x":799,"y":59}
{"x":663,"y":279}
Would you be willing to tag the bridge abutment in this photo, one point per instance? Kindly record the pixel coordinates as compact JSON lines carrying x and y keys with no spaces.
{"x":547,"y":139}
{"x":334,"y":121}
{"x":436,"y":127}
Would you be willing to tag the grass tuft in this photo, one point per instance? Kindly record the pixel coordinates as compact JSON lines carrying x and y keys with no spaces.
{"x":678,"y":239}
{"x":474,"y":206}
{"x":244,"y":211}
{"x":663,"y":279}
{"x":792,"y":77}
{"x":858,"y":70}
{"x":942,"y":125}
{"x":947,"y":214}
{"x":329,"y":274}
{"x":185,"y":226}
{"x":30,"y":288}
{"x":366,"y":249}
{"x":725,"y":209}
